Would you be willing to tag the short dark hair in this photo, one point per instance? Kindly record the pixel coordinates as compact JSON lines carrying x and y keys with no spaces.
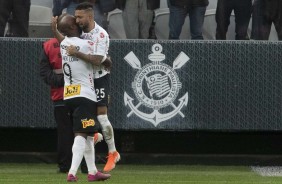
{"x":84,"y":6}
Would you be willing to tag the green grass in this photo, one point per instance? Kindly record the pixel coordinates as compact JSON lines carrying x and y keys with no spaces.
{"x":137,"y":174}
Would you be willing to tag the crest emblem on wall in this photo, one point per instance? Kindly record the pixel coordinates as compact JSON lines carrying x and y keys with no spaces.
{"x":156,"y":85}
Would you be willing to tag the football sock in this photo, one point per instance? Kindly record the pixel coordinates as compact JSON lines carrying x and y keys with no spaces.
{"x":78,"y":149}
{"x":89,"y":155}
{"x":107,"y":131}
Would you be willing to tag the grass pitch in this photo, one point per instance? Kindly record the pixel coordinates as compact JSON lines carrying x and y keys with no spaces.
{"x":139,"y":174}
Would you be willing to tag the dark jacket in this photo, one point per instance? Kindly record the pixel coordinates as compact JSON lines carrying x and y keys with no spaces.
{"x":189,"y":2}
{"x":151,"y":4}
{"x":104,"y":5}
{"x":273,"y":9}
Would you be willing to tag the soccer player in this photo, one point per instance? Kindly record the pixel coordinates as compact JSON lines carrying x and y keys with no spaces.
{"x":52,"y":74}
{"x":80,"y":98}
{"x":84,"y":15}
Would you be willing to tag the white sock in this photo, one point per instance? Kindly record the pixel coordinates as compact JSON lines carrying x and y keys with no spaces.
{"x":108,"y":132}
{"x":78,"y":148}
{"x":89,"y":155}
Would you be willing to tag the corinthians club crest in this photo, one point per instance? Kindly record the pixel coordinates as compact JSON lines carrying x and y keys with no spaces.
{"x":156,"y":86}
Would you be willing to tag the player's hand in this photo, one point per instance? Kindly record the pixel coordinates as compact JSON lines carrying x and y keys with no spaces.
{"x":107,"y":63}
{"x":54,"y":22}
{"x":71,"y":50}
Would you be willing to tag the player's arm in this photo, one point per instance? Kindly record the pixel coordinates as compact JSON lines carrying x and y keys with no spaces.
{"x":96,"y":60}
{"x":55,"y":31}
{"x":93,"y":59}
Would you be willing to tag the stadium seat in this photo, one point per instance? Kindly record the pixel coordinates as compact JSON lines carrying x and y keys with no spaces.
{"x":40,"y":22}
{"x":6,"y":29}
{"x":46,"y":3}
{"x":212,"y":4}
{"x":273,"y":34}
{"x":163,"y":4}
{"x":116,"y":27}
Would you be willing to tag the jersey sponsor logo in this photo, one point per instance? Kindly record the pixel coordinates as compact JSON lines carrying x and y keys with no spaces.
{"x":72,"y":90}
{"x":87,"y":123}
{"x":156,"y":86}
{"x":90,"y":43}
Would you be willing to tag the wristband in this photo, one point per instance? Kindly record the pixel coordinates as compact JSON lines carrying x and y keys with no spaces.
{"x":104,"y":58}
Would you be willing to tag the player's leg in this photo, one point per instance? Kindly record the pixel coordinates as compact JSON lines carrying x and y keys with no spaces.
{"x":77,"y":112}
{"x":77,"y":155}
{"x":102,"y":91}
{"x":84,"y":125}
{"x":95,"y":139}
{"x":108,"y":133}
{"x":89,"y":125}
{"x":89,"y":155}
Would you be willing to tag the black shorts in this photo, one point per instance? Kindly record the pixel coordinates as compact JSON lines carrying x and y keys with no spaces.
{"x":102,"y":87}
{"x":83,"y":112}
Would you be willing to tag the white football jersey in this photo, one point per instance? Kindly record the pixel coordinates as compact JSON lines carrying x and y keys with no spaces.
{"x":78,"y":74}
{"x":101,"y":40}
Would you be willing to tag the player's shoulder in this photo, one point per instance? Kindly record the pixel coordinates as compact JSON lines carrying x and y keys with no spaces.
{"x":98,"y":33}
{"x":98,"y":30}
{"x":66,"y":40}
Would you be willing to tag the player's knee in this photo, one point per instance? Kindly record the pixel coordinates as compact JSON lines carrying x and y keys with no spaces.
{"x":102,"y":110}
{"x":106,"y":126}
{"x":108,"y":132}
{"x":89,"y":144}
{"x":103,"y":120}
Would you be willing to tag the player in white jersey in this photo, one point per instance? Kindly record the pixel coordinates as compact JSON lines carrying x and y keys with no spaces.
{"x":80,"y":98}
{"x":91,"y":30}
{"x":78,"y":76}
